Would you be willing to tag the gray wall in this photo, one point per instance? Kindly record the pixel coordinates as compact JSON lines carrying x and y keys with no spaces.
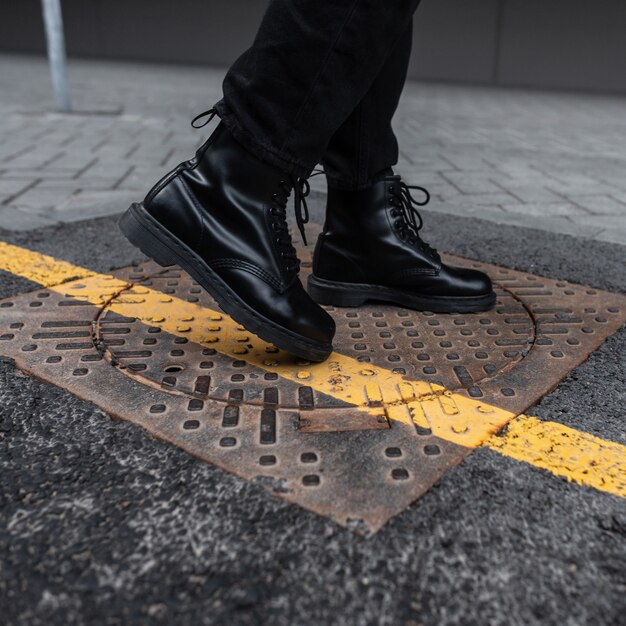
{"x":570,"y":44}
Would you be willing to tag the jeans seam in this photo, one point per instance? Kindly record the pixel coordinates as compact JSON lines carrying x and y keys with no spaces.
{"x":363,"y":158}
{"x":325,"y":62}
{"x":357,"y":164}
{"x":349,"y":185}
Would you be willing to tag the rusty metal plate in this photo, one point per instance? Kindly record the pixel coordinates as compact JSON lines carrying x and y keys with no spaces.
{"x":343,"y":459}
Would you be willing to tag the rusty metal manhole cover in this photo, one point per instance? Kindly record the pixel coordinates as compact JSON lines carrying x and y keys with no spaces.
{"x":406,"y":396}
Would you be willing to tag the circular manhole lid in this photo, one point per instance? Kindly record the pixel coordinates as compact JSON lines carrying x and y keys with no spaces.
{"x":456,"y":351}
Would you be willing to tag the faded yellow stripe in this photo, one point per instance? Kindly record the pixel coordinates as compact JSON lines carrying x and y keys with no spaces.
{"x":378,"y":390}
{"x":576,"y":456}
{"x":374,"y":389}
{"x":40,"y":268}
{"x":563,"y":451}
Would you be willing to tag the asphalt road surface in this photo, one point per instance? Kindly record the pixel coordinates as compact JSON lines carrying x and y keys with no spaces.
{"x":102,"y":524}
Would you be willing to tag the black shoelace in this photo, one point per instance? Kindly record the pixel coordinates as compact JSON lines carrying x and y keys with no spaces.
{"x":209,"y":114}
{"x":408,"y":220}
{"x":301,"y":190}
{"x":279,"y":224}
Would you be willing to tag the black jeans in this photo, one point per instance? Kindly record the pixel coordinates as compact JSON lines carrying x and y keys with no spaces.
{"x":321,"y":83}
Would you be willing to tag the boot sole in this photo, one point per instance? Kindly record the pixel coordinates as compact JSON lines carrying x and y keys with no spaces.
{"x":356,"y":294}
{"x":158,"y":243}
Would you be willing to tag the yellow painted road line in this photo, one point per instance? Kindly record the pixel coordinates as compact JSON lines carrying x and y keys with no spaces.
{"x":449,"y":415}
{"x":377,"y":390}
{"x":579,"y":457}
{"x":374,"y":389}
{"x":40,"y":268}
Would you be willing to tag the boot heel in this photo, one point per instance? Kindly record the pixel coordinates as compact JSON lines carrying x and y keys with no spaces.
{"x":335,"y":294}
{"x":140,"y":236}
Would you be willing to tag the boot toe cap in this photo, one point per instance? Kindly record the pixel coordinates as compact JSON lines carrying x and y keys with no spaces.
{"x":293,"y":310}
{"x":474,"y":283}
{"x":315,"y":323}
{"x":460,"y":282}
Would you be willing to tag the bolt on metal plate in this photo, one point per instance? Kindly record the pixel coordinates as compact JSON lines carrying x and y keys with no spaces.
{"x":345,"y":460}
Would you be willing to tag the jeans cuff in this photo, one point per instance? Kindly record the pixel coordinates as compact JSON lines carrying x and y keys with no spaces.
{"x":353,"y":185}
{"x":260,"y":150}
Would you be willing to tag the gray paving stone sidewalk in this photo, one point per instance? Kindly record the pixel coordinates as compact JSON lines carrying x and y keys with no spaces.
{"x":553,"y":161}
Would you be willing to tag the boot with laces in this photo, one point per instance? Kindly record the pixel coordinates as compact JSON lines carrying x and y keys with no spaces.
{"x":221,"y":216}
{"x":371,"y":249}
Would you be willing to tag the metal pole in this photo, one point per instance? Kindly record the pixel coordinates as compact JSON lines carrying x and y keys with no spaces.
{"x":53,"y":21}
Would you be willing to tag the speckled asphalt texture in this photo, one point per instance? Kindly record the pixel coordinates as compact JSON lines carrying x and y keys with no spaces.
{"x":101,"y":524}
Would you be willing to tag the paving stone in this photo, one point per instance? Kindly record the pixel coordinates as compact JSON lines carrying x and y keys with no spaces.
{"x":421,"y":163}
{"x":612,"y":235}
{"x":545,"y":208}
{"x":471,"y":184}
{"x":602,"y":205}
{"x":605,"y":221}
{"x":618,"y":195}
{"x":471,"y":210}
{"x":538,"y":159}
{"x":97,"y":203}
{"x":467,"y":161}
{"x":576,"y":180}
{"x":144,"y":179}
{"x":530,"y":193}
{"x":41,"y":199}
{"x":556,"y":224}
{"x":486,"y":199}
{"x":574,"y":191}
{"x":10,"y":187}
{"x":12,"y":218}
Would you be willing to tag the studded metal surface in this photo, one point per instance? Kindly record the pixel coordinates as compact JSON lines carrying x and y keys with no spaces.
{"x":332,"y":457}
{"x":458,"y":352}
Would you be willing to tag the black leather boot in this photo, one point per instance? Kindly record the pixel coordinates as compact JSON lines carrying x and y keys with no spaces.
{"x":370,"y":249}
{"x":221,"y":216}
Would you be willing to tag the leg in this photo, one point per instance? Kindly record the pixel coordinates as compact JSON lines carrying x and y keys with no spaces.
{"x":309,"y":67}
{"x":370,"y":248}
{"x":221,"y":216}
{"x":365,"y":145}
